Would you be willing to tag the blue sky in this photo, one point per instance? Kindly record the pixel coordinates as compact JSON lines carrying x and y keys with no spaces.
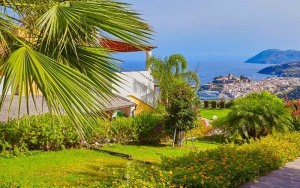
{"x":219,"y":30}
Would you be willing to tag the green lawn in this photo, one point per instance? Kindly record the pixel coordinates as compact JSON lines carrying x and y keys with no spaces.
{"x":81,"y":167}
{"x":154,"y":153}
{"x":78,"y":167}
{"x":209,"y":113}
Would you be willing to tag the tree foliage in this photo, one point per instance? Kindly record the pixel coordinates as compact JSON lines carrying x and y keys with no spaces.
{"x":56,"y":44}
{"x":256,"y":115}
{"x":167,"y":71}
{"x":182,"y":110}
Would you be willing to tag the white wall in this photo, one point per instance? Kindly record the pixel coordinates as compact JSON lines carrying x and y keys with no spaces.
{"x":139,"y":84}
{"x":1,"y":88}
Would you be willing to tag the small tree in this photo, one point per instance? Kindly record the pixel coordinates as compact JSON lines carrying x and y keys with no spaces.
{"x":256,"y":115}
{"x":182,"y":111}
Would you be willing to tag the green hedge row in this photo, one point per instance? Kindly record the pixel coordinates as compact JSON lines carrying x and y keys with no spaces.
{"x":232,"y":165}
{"x":45,"y":132}
{"x":50,"y":132}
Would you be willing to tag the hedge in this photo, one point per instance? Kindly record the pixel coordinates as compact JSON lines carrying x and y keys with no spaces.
{"x":50,"y":132}
{"x":44,"y":132}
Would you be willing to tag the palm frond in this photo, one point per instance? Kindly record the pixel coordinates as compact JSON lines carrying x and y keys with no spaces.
{"x":178,"y":62}
{"x":96,"y":63}
{"x":64,"y":88}
{"x":192,"y":78}
{"x":85,"y":22}
{"x":56,"y":46}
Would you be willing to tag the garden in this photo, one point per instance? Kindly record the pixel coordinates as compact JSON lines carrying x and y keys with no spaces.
{"x":167,"y":148}
{"x":55,"y":48}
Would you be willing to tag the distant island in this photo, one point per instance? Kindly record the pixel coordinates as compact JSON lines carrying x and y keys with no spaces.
{"x":275,"y":56}
{"x":283,"y":70}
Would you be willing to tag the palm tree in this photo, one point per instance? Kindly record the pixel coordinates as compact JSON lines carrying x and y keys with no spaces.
{"x":56,"y":45}
{"x":257,"y":115}
{"x":168,"y":71}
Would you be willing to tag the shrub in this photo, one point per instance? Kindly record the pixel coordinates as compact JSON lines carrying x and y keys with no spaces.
{"x":98,"y":131}
{"x":231,"y":165}
{"x":47,"y":132}
{"x":256,"y":115}
{"x":44,"y":132}
{"x":200,"y":130}
{"x":150,"y":128}
{"x":123,"y":129}
{"x":141,"y":175}
{"x":294,"y":107}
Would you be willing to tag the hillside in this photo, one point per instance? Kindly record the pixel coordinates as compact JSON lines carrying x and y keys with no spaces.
{"x":275,"y":56}
{"x":284,"y":70}
{"x":294,"y":94}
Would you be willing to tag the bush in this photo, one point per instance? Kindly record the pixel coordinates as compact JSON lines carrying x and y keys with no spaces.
{"x":256,"y":115}
{"x":123,"y":129}
{"x":140,"y":175}
{"x":48,"y":132}
{"x":44,"y":132}
{"x":150,"y":128}
{"x":232,"y":165}
{"x":200,"y":130}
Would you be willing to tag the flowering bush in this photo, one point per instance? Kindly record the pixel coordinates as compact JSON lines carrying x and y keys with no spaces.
{"x":231,"y":165}
{"x":294,"y":107}
{"x":150,"y":128}
{"x":139,"y":175}
{"x":135,"y":175}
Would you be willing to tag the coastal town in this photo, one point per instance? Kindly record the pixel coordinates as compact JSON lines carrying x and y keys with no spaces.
{"x":230,"y":87}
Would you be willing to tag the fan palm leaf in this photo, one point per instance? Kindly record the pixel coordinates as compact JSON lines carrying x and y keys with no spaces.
{"x":57,"y":47}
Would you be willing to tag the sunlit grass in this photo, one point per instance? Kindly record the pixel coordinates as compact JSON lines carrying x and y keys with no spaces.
{"x":63,"y":168}
{"x":82,"y":167}
{"x":154,"y":153}
{"x":209,"y":113}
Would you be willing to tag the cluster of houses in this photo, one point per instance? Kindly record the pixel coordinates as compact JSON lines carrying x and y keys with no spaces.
{"x":219,"y":81}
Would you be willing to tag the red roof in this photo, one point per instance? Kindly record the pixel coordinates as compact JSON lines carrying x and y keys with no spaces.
{"x":121,"y":46}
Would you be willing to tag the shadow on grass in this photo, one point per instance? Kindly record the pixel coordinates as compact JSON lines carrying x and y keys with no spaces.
{"x":95,"y":175}
{"x":212,"y":139}
{"x":161,"y":145}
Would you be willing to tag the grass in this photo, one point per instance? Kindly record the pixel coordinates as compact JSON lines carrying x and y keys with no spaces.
{"x":78,"y":167}
{"x":81,"y":167}
{"x":153,"y":153}
{"x":209,"y":113}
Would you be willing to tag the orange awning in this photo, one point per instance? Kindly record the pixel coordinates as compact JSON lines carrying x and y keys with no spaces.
{"x":121,"y":46}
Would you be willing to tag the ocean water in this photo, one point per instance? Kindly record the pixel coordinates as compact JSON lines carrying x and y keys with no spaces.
{"x":208,"y":70}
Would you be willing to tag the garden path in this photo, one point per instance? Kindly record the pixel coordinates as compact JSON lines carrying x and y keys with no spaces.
{"x":287,"y":177}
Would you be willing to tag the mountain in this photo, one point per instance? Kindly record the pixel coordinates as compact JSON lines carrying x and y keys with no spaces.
{"x":285,"y":70}
{"x":275,"y":56}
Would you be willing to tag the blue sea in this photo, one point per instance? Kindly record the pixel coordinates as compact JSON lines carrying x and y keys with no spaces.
{"x":208,"y":70}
